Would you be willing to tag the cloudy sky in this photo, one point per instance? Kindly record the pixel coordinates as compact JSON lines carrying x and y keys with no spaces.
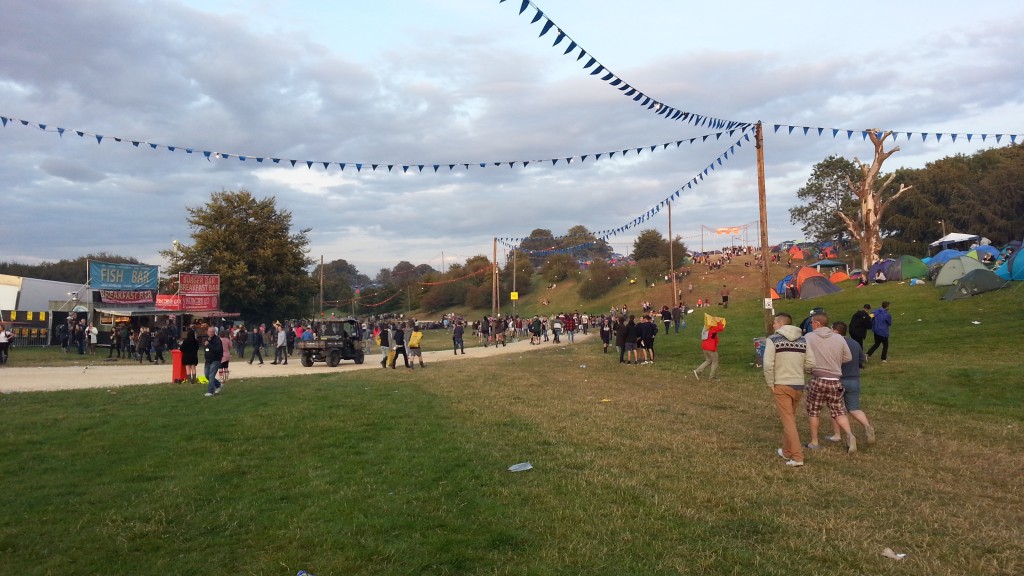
{"x":410,"y":82}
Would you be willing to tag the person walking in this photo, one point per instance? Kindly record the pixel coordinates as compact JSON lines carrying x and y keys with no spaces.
{"x":214,"y":354}
{"x":458,"y":338}
{"x":415,"y":353}
{"x":385,"y":345}
{"x":257,"y":345}
{"x":398,"y":339}
{"x":159,"y":345}
{"x":860,"y":323}
{"x":605,"y":326}
{"x":851,"y":387}
{"x":826,"y":387}
{"x":786,"y":360}
{"x":666,"y":318}
{"x":709,"y":345}
{"x":115,"y":343}
{"x":281,"y":352}
{"x":880,"y":325}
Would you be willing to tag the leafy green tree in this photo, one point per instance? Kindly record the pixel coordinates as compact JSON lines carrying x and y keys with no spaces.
{"x":589,"y":247}
{"x":826,"y":194}
{"x":648,"y":244}
{"x":652,"y":269}
{"x":523,"y":275}
{"x":262,"y":263}
{"x":558,"y":267}
{"x":601,"y":278}
{"x":340,"y":280}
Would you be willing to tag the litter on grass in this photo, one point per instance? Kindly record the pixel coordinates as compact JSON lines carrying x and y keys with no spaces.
{"x":521,"y":467}
{"x":975,"y":322}
{"x":888,"y":553}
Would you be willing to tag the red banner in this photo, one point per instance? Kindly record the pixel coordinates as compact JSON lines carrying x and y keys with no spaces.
{"x":126,"y":296}
{"x":199,"y":284}
{"x":168,"y":301}
{"x":190,"y":302}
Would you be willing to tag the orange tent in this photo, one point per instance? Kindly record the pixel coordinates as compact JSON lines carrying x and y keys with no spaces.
{"x":775,"y":295}
{"x":838,"y":277}
{"x":803,"y":273}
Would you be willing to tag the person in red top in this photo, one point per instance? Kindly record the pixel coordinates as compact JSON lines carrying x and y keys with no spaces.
{"x":709,"y":344}
{"x":570,"y":327}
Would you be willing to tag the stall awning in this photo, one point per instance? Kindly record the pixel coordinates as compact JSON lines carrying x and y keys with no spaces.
{"x":153,"y":311}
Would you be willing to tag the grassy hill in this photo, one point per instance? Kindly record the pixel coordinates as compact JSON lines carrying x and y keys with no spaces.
{"x":636,"y":469}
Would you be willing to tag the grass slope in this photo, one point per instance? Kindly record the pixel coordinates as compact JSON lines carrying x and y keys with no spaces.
{"x":637,"y":470}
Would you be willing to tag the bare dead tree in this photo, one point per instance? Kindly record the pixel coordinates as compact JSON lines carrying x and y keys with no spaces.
{"x":873,"y":203}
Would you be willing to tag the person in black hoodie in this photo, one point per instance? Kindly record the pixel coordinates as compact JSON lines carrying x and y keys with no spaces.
{"x":399,"y":343}
{"x":860,"y":324}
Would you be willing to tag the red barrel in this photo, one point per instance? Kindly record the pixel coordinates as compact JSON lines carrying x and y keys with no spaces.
{"x":177,"y":368}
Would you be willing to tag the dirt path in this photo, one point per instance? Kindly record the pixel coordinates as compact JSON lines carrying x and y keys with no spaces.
{"x":101,"y":374}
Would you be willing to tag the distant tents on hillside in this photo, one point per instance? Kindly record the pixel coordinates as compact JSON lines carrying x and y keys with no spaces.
{"x":905,"y":268}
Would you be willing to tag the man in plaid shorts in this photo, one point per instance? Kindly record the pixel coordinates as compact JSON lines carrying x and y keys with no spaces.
{"x":826,"y":389}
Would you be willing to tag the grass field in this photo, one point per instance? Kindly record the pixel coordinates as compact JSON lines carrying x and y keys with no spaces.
{"x":637,"y":470}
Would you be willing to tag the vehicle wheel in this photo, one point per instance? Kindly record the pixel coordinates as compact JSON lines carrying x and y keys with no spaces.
{"x":307,"y":360}
{"x":334,"y":358}
{"x":360,"y":357}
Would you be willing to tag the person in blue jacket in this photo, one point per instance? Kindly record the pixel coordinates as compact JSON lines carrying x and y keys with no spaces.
{"x":880,"y":324}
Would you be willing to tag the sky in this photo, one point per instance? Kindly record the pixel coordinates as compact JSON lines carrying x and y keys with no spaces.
{"x":411,"y":82}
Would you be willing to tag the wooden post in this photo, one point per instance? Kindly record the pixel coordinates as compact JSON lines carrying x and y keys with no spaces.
{"x":766,"y":286}
{"x":671,"y":258}
{"x":495,"y":291}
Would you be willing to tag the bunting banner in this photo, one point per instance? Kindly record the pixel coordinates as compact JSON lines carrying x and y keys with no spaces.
{"x":625,"y":88}
{"x":416,"y":167}
{"x":604,"y":235}
{"x":788,"y":129}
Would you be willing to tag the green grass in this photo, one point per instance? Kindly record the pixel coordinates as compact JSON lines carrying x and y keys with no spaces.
{"x":638,"y":470}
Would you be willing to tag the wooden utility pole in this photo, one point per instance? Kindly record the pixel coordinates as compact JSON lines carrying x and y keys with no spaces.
{"x":495,"y":290}
{"x":766,"y":283}
{"x":321,"y":285}
{"x":671,"y":257}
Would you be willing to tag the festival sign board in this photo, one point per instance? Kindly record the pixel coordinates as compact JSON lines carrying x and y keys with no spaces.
{"x":111,"y":276}
{"x":198,"y":284}
{"x":168,"y":301}
{"x":126,"y":296}
{"x":200,"y":301}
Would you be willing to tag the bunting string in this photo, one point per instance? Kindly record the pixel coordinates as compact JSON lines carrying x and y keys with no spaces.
{"x":416,"y":167}
{"x":607,"y":76}
{"x":606,"y":234}
{"x":460,"y":278}
{"x":788,"y":129}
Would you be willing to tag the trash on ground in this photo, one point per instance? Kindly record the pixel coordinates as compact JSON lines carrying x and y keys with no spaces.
{"x":521,"y":467}
{"x":606,"y":399}
{"x":888,"y":553}
{"x":975,"y":322}
{"x":583,"y":365}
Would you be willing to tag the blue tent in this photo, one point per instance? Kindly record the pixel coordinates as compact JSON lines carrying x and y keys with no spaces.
{"x":1012,"y":269}
{"x":945,"y":256}
{"x":876,"y":268}
{"x":781,"y":286}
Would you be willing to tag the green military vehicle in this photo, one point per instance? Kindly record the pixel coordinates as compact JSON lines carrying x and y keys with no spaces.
{"x":339,"y":339}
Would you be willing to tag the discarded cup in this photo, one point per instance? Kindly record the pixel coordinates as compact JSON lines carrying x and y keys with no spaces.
{"x":583,"y":365}
{"x":521,"y":467}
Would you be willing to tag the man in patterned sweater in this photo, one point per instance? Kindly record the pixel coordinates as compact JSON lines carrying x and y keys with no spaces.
{"x":786,"y":360}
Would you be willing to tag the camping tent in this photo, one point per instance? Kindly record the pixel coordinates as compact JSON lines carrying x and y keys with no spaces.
{"x":781,"y":286}
{"x":878,"y":267}
{"x":955,"y":269}
{"x":803,"y":273}
{"x":906,"y":267}
{"x":797,"y":253}
{"x":974,"y":282}
{"x":816,"y":286}
{"x":1013,"y":268}
{"x":945,"y":256}
{"x":838,"y":277}
{"x":980,"y":252}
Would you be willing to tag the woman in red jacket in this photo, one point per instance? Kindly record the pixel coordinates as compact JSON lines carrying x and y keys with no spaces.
{"x":709,"y":344}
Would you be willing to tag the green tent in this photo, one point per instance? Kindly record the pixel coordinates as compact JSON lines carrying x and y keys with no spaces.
{"x":906,"y":267}
{"x":974,"y":282}
{"x":955,"y":269}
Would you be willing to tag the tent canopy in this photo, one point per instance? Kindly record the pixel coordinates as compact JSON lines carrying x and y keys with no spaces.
{"x":953,"y":238}
{"x":1013,"y":268}
{"x":956,"y":269}
{"x":828,"y":264}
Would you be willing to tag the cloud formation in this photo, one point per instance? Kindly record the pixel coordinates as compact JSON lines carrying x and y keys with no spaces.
{"x":461,"y":82}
